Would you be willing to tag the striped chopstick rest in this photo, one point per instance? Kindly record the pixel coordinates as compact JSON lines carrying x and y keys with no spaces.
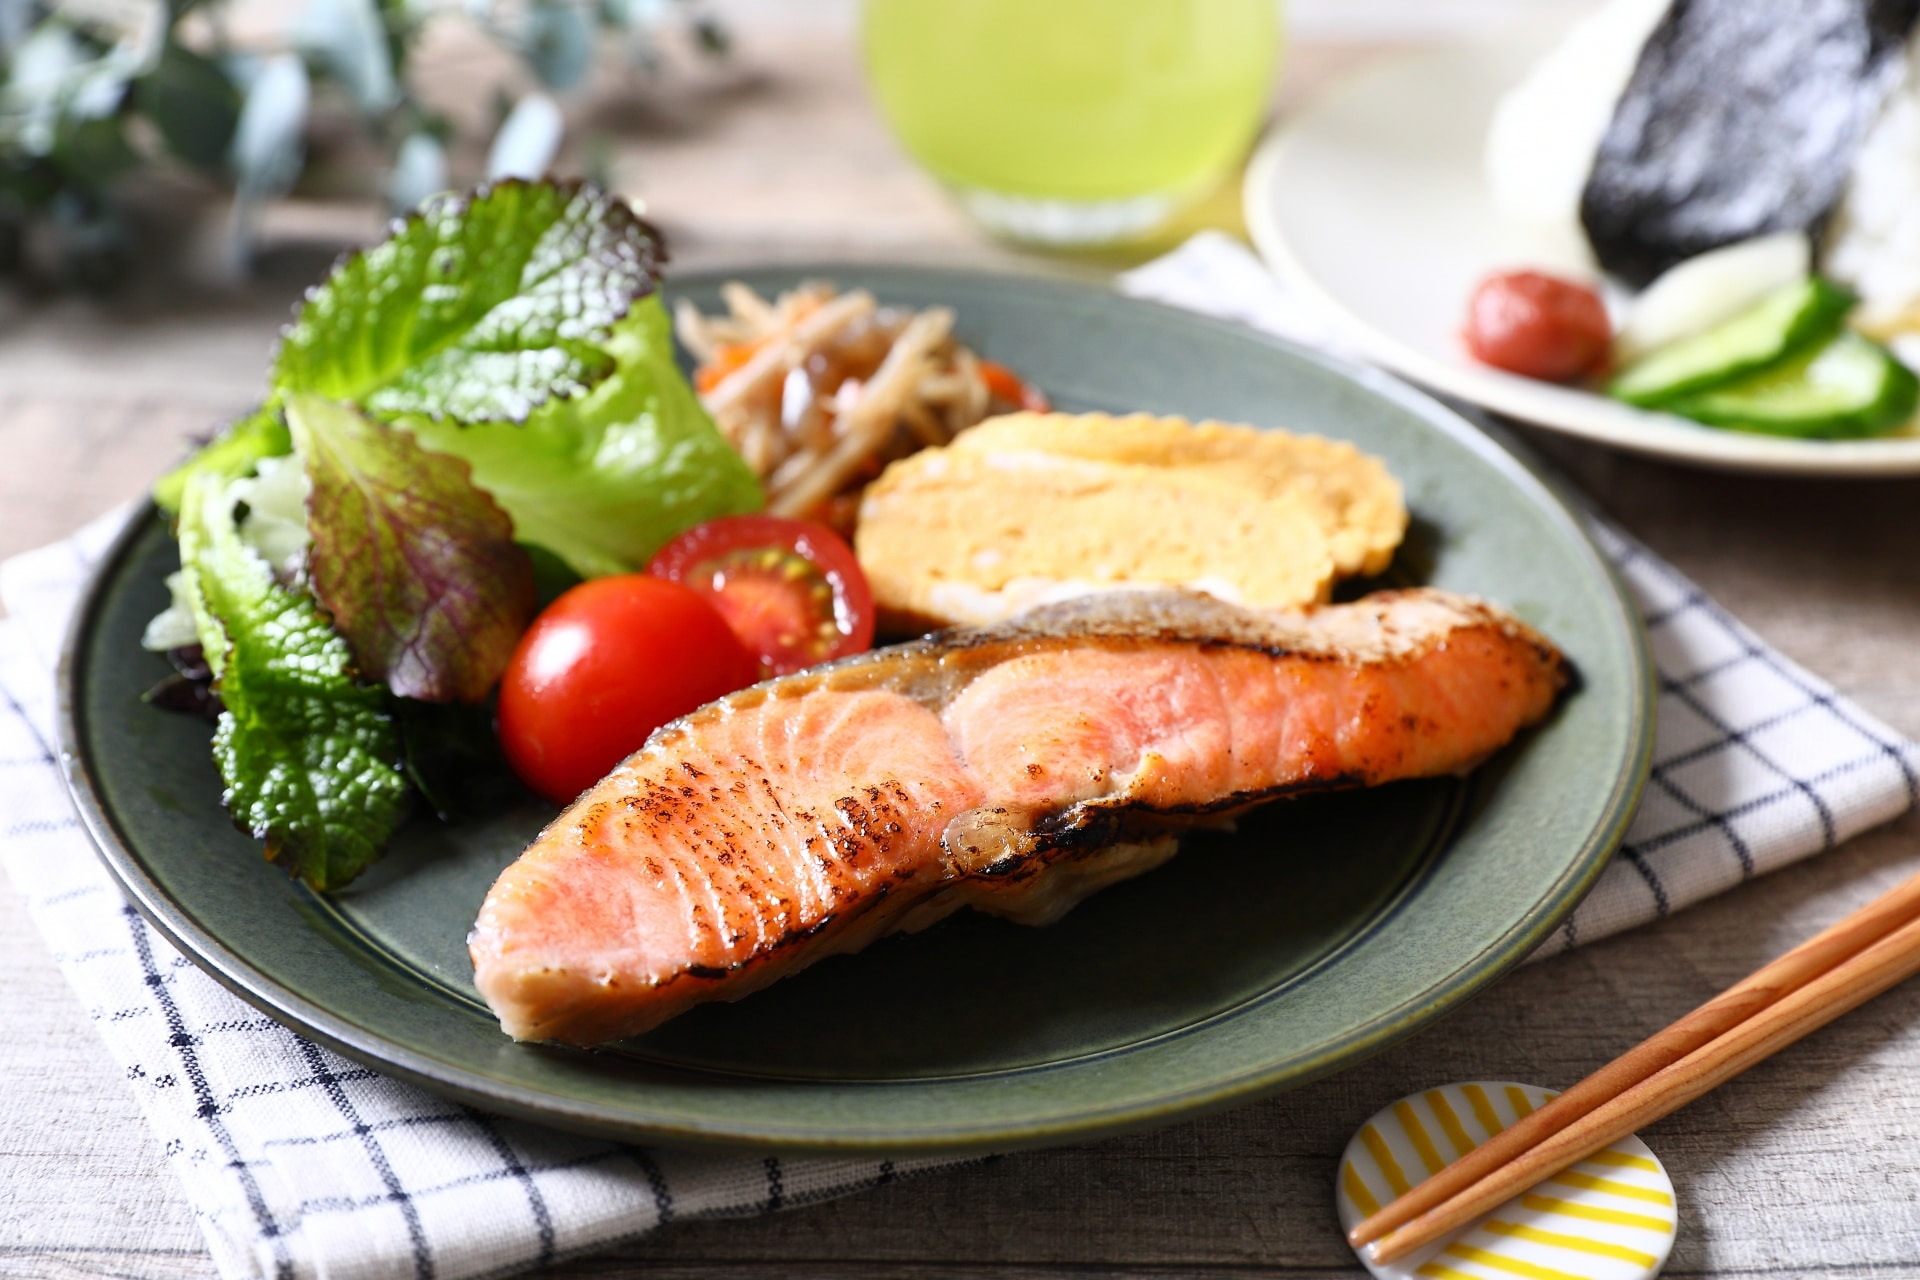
{"x":1609,"y":1217}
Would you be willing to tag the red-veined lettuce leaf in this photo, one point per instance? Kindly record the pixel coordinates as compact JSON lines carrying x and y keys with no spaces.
{"x":417,"y":566}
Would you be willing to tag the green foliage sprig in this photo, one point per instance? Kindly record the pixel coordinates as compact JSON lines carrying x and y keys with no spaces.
{"x":93,"y":92}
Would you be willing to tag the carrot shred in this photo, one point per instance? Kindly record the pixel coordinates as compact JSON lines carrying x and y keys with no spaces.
{"x":727,"y":357}
{"x":1004,"y":384}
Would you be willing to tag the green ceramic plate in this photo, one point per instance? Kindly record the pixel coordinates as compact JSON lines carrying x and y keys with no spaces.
{"x":1322,"y":931}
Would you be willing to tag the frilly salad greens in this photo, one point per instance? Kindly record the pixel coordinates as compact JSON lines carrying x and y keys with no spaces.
{"x":493,"y":382}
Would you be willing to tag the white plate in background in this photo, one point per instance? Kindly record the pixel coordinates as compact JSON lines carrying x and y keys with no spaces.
{"x":1372,"y":205}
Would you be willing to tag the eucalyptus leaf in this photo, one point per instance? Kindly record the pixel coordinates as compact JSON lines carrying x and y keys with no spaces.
{"x":93,"y":151}
{"x":99,"y":90}
{"x":713,"y":38}
{"x":419,"y":172}
{"x":528,"y":140}
{"x":38,"y":82}
{"x":629,"y":14}
{"x":16,"y":19}
{"x":192,"y":103}
{"x":349,"y":39}
{"x":237,"y":98}
{"x":269,"y":137}
{"x":89,"y":245}
{"x":559,"y":45}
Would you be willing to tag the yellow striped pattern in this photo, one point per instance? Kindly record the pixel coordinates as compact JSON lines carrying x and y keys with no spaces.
{"x":1592,"y":1213}
{"x":1384,"y":1163}
{"x":1443,"y":1111}
{"x":1621,"y":1160}
{"x":1356,"y":1190}
{"x":1610,"y":1217}
{"x":1511,"y":1265}
{"x":1579,"y":1244}
{"x":1612,"y":1186}
{"x":1417,"y":1134}
{"x":1483,"y":1110}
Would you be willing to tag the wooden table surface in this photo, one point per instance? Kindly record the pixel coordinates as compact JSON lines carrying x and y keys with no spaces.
{"x":1806,"y":1166}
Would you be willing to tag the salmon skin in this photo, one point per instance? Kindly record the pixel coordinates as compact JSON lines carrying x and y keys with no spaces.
{"x":1014,"y":768}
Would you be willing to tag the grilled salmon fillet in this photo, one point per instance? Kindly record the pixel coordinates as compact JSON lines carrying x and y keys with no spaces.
{"x":1013,"y":768}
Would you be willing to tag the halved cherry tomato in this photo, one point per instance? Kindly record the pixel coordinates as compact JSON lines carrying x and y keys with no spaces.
{"x":1009,"y":386}
{"x":602,"y":667}
{"x":791,"y":589}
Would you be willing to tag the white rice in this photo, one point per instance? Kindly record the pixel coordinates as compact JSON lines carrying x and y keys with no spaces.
{"x":1873,"y":243}
{"x":1547,"y":129}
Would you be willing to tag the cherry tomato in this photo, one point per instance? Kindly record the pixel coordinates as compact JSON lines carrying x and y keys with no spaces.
{"x":602,"y":667}
{"x":1538,"y":326}
{"x":791,"y":589}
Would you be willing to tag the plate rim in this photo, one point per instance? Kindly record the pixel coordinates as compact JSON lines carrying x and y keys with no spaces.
{"x":1567,"y":411}
{"x":175,"y":920}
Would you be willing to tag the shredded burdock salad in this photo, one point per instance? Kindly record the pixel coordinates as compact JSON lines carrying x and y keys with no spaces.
{"x":819,"y":390}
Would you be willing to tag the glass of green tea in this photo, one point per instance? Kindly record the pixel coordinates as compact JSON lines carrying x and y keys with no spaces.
{"x":1074,"y":122}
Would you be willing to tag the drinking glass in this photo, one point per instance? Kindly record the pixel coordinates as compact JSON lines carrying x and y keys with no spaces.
{"x":1074,"y":122}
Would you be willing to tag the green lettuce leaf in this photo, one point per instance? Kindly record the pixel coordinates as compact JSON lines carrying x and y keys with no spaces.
{"x":309,"y":755}
{"x":603,"y":481}
{"x":478,"y":308}
{"x":229,"y":455}
{"x":497,"y":372}
{"x":417,"y":566}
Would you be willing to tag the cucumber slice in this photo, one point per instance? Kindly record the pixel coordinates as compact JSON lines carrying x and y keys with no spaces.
{"x":1783,"y":322}
{"x":1846,"y":387}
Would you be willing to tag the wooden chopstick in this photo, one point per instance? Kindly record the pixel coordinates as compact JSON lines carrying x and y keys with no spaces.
{"x":1719,"y":1015}
{"x":1837,"y":970}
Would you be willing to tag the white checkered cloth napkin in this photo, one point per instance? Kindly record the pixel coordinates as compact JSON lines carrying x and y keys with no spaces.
{"x":300,"y":1163}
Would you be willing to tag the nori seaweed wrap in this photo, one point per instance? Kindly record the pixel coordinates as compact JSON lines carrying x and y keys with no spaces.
{"x":1742,"y":117}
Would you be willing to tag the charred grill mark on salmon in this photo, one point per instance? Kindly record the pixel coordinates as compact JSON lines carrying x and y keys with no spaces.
{"x":1013,"y":768}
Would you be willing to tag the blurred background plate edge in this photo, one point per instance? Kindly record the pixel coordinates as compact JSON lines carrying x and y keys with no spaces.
{"x":1343,"y":212}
